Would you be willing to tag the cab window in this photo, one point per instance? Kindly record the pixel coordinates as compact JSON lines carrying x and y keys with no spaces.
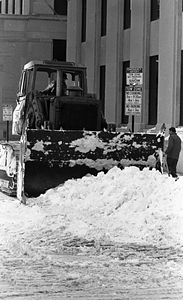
{"x":25,"y":82}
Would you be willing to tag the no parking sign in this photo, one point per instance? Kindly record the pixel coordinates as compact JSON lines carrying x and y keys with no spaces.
{"x":7,"y":112}
{"x":7,"y":116}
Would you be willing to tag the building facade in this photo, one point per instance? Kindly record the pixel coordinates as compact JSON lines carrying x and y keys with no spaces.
{"x":109,"y":36}
{"x":29,"y":30}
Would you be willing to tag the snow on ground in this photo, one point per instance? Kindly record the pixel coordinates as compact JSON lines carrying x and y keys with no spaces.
{"x":124,"y":205}
{"x":128,"y":206}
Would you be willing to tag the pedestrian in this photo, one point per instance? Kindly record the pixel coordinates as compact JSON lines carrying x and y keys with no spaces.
{"x":172,"y":152}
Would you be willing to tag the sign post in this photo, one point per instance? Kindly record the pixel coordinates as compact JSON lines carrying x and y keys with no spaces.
{"x":133,"y":93}
{"x":133,"y":123}
{"x":7,"y":116}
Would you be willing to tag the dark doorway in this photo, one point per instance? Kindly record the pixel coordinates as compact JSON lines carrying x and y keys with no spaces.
{"x":6,"y":6}
{"x":13,"y":7}
{"x":102,"y":87}
{"x":124,"y":118}
{"x":153,"y":90}
{"x":83,"y":22}
{"x":59,"y":50}
{"x":60,"y":7}
{"x":181,"y":91}
{"x":21,"y":7}
{"x":155,"y":9}
{"x":127,"y":14}
{"x":103,"y":17}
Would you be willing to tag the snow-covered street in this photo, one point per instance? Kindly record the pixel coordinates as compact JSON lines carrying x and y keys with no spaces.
{"x":115,"y":236}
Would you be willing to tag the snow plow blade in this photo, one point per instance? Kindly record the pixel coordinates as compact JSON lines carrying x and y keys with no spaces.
{"x":52,"y":157}
{"x":43,"y":159}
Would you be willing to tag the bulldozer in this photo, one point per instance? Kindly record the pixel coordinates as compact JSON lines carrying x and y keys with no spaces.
{"x":62,"y":133}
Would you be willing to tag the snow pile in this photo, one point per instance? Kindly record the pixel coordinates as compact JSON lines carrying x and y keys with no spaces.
{"x":87,"y":143}
{"x":123,"y":205}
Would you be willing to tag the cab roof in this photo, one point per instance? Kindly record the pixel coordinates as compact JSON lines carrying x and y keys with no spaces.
{"x":51,"y":63}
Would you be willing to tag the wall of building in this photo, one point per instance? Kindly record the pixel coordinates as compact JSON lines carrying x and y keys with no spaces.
{"x":144,"y":39}
{"x":29,"y":36}
{"x":23,"y":38}
{"x":27,"y":7}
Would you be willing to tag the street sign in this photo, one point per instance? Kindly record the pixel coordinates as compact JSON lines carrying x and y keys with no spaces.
{"x":133,"y":100}
{"x":7,"y":112}
{"x":134,"y":76}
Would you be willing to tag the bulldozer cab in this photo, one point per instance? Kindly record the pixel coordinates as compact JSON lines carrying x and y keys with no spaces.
{"x":53,"y":95}
{"x":37,"y":77}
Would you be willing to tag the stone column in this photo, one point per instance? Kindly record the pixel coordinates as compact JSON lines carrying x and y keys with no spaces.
{"x":137,"y":46}
{"x":89,"y":49}
{"x":17,"y":7}
{"x":10,"y":6}
{"x":112,"y":61}
{"x":169,"y":62}
{"x":3,"y":7}
{"x":74,"y":31}
{"x":26,"y":7}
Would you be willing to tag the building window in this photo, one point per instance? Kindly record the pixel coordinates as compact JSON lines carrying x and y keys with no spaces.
{"x":155,"y":9}
{"x":6,"y":7}
{"x":60,"y":7}
{"x":83,"y":25}
{"x":127,"y":14}
{"x":124,"y":118}
{"x":59,"y":50}
{"x":102,"y":87}
{"x":13,"y":6}
{"x":21,"y":7}
{"x":103,"y":17}
{"x":153,"y":90}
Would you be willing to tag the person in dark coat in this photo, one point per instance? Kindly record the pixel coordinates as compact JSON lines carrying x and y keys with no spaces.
{"x":172,"y":152}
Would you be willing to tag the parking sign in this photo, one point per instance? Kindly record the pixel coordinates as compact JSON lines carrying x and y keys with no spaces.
{"x":7,"y":112}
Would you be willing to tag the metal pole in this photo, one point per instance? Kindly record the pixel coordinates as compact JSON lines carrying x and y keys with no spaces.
{"x":7,"y":133}
{"x":133,"y":119}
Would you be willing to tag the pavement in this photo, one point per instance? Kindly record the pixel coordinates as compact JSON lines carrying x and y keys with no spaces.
{"x":59,"y":266}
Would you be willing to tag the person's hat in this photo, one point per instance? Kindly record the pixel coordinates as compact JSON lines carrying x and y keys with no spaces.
{"x":172,"y":129}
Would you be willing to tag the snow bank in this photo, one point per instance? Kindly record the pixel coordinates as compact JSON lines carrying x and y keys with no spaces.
{"x":123,"y":205}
